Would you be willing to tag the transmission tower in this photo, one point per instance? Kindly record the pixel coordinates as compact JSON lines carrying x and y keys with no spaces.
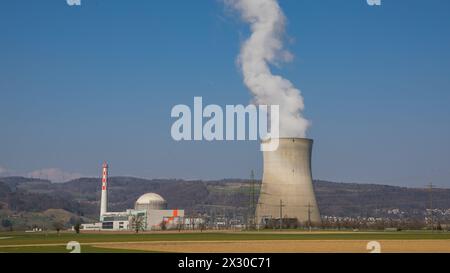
{"x":430,"y":187}
{"x":281,"y":214}
{"x":252,"y":208}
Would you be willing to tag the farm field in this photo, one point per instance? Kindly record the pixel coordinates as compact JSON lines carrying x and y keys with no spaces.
{"x":228,"y":242}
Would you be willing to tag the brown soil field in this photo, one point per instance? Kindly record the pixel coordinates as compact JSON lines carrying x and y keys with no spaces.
{"x":287,"y":246}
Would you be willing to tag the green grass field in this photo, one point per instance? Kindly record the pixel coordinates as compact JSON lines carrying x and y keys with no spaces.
{"x":54,"y":243}
{"x":62,"y":249}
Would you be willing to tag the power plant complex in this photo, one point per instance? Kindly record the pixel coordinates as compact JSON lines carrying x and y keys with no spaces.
{"x":150,"y":212}
{"x":287,"y":191}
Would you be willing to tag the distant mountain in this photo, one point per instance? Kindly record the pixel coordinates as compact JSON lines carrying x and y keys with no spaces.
{"x":80,"y":197}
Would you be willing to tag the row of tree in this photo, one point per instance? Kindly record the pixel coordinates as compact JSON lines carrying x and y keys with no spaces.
{"x":360,"y":224}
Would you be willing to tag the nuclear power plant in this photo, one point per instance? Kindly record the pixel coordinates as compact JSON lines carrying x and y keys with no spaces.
{"x":150,"y":212}
{"x":287,"y":191}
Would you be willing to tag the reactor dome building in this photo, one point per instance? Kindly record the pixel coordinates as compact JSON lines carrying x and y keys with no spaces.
{"x":150,"y":201}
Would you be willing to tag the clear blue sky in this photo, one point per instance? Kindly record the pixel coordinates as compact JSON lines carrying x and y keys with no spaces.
{"x":79,"y":85}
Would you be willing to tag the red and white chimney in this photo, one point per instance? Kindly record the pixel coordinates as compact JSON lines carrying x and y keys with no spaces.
{"x":104,"y":198}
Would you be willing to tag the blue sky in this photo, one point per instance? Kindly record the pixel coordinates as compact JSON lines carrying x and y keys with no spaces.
{"x":79,"y":85}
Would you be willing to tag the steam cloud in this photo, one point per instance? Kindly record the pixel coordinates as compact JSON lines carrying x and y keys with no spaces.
{"x":263,"y":48}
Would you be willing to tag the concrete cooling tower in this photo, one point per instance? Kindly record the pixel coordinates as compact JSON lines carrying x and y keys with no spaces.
{"x":287,"y":183}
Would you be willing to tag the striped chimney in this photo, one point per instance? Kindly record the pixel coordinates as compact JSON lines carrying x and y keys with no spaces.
{"x":104,"y":198}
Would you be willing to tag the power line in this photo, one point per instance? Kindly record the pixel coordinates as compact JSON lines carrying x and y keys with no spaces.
{"x":252,"y":212}
{"x":309,"y":216}
{"x":281,"y":214}
{"x":430,"y":187}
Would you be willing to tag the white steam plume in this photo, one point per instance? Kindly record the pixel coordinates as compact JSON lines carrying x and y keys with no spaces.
{"x":265,"y":47}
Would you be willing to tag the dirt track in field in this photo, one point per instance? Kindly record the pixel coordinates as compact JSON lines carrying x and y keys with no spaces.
{"x":288,"y":246}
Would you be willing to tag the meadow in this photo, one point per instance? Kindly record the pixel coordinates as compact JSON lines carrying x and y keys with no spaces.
{"x":263,"y":241}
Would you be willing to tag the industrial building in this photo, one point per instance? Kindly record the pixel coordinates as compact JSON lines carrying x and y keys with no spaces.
{"x":150,"y":213}
{"x":286,"y":194}
{"x":287,"y":190}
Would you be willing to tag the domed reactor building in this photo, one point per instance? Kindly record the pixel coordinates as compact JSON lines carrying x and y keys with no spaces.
{"x":150,"y":212}
{"x":150,"y":201}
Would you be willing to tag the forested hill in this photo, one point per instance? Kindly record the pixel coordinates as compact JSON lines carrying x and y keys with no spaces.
{"x":21,"y":196}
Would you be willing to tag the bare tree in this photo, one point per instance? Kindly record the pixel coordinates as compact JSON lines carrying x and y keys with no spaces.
{"x":137,"y":223}
{"x":58,"y":226}
{"x":6,"y":223}
{"x":163,"y":225}
{"x":77,"y":227}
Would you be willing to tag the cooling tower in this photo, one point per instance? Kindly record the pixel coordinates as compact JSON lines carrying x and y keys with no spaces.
{"x":287,"y":183}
